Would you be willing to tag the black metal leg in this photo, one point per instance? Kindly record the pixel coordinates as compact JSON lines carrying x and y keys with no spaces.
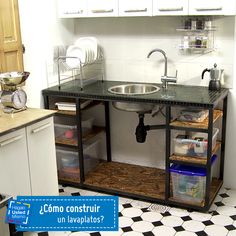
{"x":168,"y":136}
{"x":209,"y":155}
{"x":13,"y":232}
{"x":46,"y":101}
{"x":108,"y":133}
{"x":79,"y":137}
{"x":223,"y":138}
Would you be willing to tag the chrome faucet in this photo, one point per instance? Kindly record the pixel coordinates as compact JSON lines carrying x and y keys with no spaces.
{"x":165,"y":79}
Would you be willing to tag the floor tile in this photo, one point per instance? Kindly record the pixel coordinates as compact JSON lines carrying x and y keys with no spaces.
{"x":63,"y":234}
{"x":76,"y":234}
{"x":172,"y":221}
{"x":140,"y":204}
{"x":125,"y":221}
{"x":151,"y":216}
{"x":149,"y":233}
{"x":193,"y":226}
{"x":226,"y":210}
{"x":185,"y":233}
{"x":137,"y":218}
{"x":132,"y":234}
{"x":230,"y":227}
{"x":216,"y":230}
{"x":201,"y":233}
{"x":111,"y":233}
{"x":123,"y":200}
{"x":229,"y":201}
{"x":163,"y":230}
{"x":232,"y":233}
{"x":199,"y":216}
{"x":179,"y":228}
{"x":231,"y":193}
{"x":120,"y":207}
{"x":131,"y":212}
{"x":159,"y":208}
{"x":142,"y":226}
{"x":222,"y":220}
{"x":126,"y":229}
{"x":178,"y":212}
{"x":71,"y":190}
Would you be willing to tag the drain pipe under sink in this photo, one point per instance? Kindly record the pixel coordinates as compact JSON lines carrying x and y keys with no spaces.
{"x":141,"y":129}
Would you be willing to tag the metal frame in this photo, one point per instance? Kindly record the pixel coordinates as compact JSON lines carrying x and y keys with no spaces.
{"x":168,"y":128}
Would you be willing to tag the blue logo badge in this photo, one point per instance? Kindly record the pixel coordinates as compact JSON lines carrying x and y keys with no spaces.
{"x":18,"y":213}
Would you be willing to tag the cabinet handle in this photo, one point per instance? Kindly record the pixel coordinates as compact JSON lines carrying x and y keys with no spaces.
{"x":102,"y":11}
{"x":41,"y":128}
{"x":209,"y":9}
{"x":171,"y":9}
{"x":74,"y":12}
{"x":10,"y":140}
{"x":136,"y":10}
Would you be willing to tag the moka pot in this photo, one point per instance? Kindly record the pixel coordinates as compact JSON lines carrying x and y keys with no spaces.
{"x":216,"y":75}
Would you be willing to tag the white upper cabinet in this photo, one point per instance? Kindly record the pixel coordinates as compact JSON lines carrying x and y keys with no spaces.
{"x":212,"y":7}
{"x":170,"y":7}
{"x":135,"y":8}
{"x":102,"y":8}
{"x":72,"y":8}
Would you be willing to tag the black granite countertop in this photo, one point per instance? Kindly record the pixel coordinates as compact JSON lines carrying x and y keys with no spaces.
{"x":174,"y":95}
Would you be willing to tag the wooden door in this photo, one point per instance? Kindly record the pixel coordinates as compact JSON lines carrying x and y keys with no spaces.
{"x":11,"y":58}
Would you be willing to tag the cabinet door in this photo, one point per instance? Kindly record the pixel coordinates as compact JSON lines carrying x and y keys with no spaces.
{"x":42,"y":158}
{"x":72,"y":8}
{"x":11,"y":53}
{"x":212,"y":7}
{"x":135,"y":8}
{"x":14,"y":168}
{"x":170,"y":7}
{"x":102,"y":8}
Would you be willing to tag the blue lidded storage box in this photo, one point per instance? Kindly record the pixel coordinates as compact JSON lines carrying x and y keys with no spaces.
{"x":189,"y":182}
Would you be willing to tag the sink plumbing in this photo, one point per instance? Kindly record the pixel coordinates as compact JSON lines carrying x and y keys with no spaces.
{"x":165,"y":79}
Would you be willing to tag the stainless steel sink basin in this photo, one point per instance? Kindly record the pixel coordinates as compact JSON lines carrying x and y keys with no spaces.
{"x":134,"y":107}
{"x":134,"y":89}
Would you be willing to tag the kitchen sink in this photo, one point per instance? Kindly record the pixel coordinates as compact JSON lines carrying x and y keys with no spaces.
{"x":134,"y":89}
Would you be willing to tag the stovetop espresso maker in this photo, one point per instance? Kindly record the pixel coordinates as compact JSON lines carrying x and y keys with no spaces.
{"x":216,"y":77}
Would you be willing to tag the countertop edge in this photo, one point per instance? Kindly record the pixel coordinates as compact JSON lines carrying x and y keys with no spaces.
{"x":17,"y":123}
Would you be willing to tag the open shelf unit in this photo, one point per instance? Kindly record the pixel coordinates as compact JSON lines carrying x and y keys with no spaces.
{"x":140,"y":182}
{"x":75,"y":144}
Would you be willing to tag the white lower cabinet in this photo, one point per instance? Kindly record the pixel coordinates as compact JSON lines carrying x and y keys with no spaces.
{"x":14,"y":164}
{"x":42,"y":158}
{"x":28,"y":160}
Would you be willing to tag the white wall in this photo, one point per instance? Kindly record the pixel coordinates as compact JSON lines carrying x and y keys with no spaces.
{"x":41,"y":30}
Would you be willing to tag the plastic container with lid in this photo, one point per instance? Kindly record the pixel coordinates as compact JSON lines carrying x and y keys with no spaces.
{"x":189,"y":182}
{"x":196,"y":145}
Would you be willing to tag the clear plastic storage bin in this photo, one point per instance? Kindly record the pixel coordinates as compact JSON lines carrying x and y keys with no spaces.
{"x":189,"y":182}
{"x":70,"y":131}
{"x":68,"y":161}
{"x":194,"y":146}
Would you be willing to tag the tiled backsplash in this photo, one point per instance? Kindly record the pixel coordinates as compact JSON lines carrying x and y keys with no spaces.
{"x":127,"y":41}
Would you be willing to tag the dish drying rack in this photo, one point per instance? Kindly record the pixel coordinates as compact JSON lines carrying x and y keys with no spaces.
{"x":86,"y":73}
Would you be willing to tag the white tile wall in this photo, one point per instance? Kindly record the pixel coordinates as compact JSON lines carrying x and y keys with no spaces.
{"x":126,"y":42}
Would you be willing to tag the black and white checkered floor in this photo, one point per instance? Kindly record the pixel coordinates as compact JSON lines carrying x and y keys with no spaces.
{"x":137,"y":218}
